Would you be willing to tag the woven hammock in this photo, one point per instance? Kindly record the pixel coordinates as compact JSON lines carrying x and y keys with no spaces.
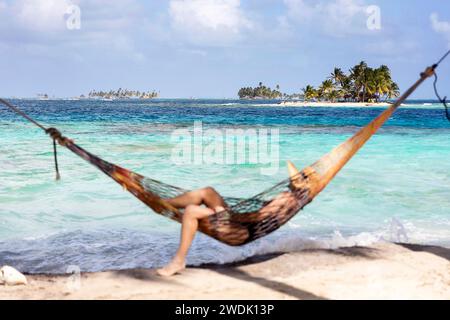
{"x":244,"y":220}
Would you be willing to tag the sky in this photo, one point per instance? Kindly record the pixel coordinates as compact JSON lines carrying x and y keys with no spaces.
{"x":211,"y":48}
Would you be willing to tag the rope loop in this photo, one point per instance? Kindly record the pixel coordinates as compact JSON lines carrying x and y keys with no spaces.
{"x":56,"y":135}
{"x":441,"y":100}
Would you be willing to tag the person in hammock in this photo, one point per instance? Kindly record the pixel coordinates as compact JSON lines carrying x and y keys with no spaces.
{"x":199,"y":204}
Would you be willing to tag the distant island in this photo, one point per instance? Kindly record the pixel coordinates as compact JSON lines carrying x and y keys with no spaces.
{"x":260,"y":92}
{"x":42,"y":96}
{"x":123,"y":94}
{"x":363,"y":84}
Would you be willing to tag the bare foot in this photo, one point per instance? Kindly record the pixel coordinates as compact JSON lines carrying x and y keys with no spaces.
{"x":173,"y":267}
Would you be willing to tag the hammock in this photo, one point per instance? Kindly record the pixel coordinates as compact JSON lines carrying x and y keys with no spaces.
{"x":244,"y":220}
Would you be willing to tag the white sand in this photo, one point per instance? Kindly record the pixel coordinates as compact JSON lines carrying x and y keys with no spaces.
{"x":333,"y":104}
{"x":382,"y":271}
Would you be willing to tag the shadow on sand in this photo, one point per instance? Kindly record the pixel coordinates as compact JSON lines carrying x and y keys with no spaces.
{"x":436,"y":250}
{"x":235,"y":269}
{"x":270,"y":284}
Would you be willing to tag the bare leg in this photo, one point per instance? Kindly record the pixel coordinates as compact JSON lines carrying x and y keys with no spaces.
{"x":189,"y":227}
{"x":206,"y":196}
{"x":192,"y":202}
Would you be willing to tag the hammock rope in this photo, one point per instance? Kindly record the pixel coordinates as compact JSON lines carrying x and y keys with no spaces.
{"x":441,"y":100}
{"x":54,"y":133}
{"x":244,"y":220}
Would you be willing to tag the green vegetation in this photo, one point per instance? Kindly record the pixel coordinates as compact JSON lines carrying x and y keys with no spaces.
{"x":122,"y":94}
{"x":260,"y":92}
{"x":362,"y":84}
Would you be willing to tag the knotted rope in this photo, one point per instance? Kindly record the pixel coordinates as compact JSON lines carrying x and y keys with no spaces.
{"x":56,"y":136}
{"x":54,"y":133}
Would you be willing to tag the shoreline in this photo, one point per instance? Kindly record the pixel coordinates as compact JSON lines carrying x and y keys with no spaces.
{"x":381,"y":271}
{"x":334,"y":104}
{"x":254,"y":102}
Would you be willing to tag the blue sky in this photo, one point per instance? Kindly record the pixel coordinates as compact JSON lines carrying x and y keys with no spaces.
{"x":211,"y":48}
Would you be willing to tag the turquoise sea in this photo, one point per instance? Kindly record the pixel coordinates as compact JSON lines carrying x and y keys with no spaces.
{"x":397,"y":188}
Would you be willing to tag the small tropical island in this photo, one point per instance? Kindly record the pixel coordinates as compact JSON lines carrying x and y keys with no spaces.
{"x":122,"y":94}
{"x":363,"y":85}
{"x":260,"y":92}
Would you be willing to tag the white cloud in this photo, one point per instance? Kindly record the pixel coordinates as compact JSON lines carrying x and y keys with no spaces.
{"x":26,"y":24}
{"x":440,"y":26}
{"x":209,"y":22}
{"x":335,"y":18}
{"x":41,"y":15}
{"x":46,"y":16}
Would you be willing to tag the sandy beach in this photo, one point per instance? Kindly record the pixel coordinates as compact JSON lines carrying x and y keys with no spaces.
{"x":382,"y":271}
{"x":332,"y":104}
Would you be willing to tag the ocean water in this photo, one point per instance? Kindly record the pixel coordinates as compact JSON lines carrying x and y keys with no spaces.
{"x":397,"y":188}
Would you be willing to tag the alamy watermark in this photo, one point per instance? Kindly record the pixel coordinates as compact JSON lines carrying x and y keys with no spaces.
{"x":373,"y":17}
{"x":397,"y":231}
{"x":199,"y":146}
{"x":73,"y":17}
{"x":73,"y":282}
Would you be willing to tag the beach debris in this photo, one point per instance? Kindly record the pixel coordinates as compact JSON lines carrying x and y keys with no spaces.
{"x":12,"y":277}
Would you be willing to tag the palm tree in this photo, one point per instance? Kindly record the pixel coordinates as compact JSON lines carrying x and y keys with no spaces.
{"x":393,"y":91}
{"x":385,"y":71}
{"x":309,"y":93}
{"x":379,"y":83}
{"x":358,"y":74}
{"x":338,"y":76}
{"x":326,"y":88}
{"x":334,"y":95}
{"x":347,"y":88}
